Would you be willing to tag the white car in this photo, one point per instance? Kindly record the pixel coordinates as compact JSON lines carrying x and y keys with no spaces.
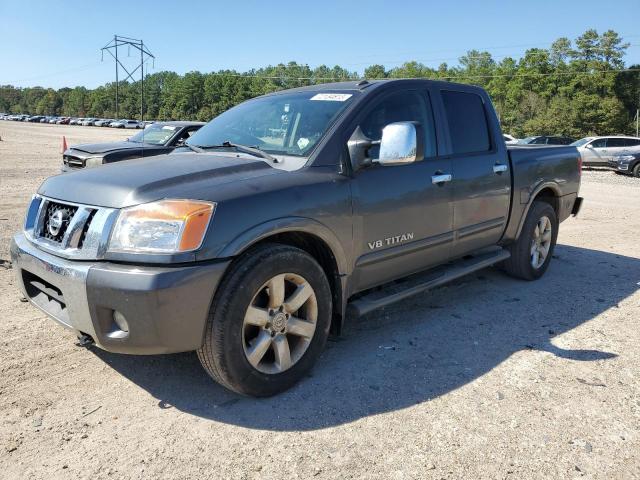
{"x":126,"y":124}
{"x":597,"y":151}
{"x":509,"y":139}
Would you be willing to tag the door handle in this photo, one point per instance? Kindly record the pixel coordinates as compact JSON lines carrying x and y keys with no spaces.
{"x":499,"y":168}
{"x":441,"y":178}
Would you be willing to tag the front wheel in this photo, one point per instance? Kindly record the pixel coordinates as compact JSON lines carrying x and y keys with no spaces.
{"x":532,"y":252}
{"x":636,"y":170}
{"x":269,"y":321}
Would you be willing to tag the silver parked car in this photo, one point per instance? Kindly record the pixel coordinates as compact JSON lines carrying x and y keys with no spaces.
{"x":598,"y":151}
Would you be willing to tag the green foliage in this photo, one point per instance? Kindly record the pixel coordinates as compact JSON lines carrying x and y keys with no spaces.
{"x":573,"y":88}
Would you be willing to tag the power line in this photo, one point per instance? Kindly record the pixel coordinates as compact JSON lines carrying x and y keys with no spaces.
{"x":482,"y":56}
{"x":499,"y":47}
{"x":53,"y":74}
{"x":453,"y":75}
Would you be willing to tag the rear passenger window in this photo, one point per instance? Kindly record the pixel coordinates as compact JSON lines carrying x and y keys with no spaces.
{"x":616,"y":142}
{"x":630,"y":142}
{"x":407,"y":106}
{"x":467,"y":122}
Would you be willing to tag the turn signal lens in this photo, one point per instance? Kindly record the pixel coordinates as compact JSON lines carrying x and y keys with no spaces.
{"x":165,"y":226}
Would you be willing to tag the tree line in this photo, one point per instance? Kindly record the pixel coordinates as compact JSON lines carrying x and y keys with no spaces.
{"x":573,"y":88}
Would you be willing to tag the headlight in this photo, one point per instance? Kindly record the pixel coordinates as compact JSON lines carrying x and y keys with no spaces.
{"x":625,"y":158}
{"x":91,"y":162}
{"x":165,"y":226}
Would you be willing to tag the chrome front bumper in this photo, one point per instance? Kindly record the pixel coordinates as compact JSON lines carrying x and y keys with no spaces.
{"x":69,"y":277}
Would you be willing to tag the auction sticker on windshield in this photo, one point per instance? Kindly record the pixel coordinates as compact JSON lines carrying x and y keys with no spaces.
{"x":332,"y":97}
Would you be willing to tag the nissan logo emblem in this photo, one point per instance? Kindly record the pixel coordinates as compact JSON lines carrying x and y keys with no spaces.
{"x":56,"y":220}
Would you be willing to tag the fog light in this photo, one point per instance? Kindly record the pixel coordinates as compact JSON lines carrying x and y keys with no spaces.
{"x":120,"y":321}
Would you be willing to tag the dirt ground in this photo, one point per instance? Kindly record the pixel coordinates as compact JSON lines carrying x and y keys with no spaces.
{"x":486,"y":378}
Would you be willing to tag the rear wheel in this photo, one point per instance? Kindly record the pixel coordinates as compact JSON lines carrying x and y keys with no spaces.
{"x":532,"y":252}
{"x":269,"y":321}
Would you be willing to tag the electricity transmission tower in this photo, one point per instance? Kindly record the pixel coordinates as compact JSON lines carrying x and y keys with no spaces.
{"x":145,"y":55}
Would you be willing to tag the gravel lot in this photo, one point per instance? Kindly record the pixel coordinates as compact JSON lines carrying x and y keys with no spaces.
{"x":486,"y":378}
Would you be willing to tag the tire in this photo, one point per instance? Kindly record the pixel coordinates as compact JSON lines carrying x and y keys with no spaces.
{"x":230,"y":342}
{"x":636,"y":170}
{"x":522,"y":260}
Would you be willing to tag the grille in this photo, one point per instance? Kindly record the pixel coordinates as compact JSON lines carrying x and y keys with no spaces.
{"x":50,"y":228}
{"x":73,"y":162}
{"x":85,"y":229}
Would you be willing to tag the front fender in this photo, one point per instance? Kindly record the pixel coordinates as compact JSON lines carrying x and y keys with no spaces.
{"x":287,"y":224}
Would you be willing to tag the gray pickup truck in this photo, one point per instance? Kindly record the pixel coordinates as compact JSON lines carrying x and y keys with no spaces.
{"x":284,"y":216}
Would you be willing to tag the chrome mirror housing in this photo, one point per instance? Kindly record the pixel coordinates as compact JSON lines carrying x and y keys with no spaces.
{"x":401,"y":143}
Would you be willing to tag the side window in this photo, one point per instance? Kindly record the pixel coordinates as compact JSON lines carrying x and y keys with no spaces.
{"x":616,"y":142}
{"x":599,"y":143}
{"x":467,"y":122}
{"x":539,"y":141}
{"x":407,"y":106}
{"x":630,"y":142}
{"x":184,"y":135}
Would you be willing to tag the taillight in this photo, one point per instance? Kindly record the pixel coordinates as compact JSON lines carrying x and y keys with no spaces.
{"x":579,"y":165}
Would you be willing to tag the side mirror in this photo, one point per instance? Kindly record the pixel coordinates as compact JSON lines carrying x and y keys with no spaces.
{"x":402,"y":142}
{"x":588,"y":145}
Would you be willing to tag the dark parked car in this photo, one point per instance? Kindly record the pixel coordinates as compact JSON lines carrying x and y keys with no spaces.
{"x":159,"y":138}
{"x":627,"y":162}
{"x":281,"y":215}
{"x":546,"y":140}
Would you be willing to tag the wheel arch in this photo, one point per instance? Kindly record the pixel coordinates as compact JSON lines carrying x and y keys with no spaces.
{"x":315,"y":239}
{"x":548,"y":192}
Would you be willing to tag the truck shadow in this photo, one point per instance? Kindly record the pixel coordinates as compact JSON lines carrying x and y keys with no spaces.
{"x":415,"y":351}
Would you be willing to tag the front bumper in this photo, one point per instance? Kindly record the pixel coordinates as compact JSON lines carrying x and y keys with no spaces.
{"x":619,"y":166}
{"x":165,"y":308}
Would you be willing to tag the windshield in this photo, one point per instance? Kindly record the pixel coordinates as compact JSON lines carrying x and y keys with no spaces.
{"x":286,"y":124}
{"x":155,"y":134}
{"x":581,"y":142}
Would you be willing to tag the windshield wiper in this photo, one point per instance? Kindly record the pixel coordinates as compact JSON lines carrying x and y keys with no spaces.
{"x":194,"y":148}
{"x":245,"y":149}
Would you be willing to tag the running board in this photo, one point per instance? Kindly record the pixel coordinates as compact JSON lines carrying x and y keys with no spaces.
{"x":422,"y":282}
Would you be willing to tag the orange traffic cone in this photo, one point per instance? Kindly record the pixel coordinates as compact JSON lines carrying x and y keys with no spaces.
{"x":64,"y":144}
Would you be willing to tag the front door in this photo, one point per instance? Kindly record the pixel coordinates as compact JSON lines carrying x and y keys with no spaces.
{"x":402,"y":221}
{"x":595,"y":152}
{"x":481,"y":177}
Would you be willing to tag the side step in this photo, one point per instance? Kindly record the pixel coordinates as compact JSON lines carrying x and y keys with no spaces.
{"x":421,"y":282}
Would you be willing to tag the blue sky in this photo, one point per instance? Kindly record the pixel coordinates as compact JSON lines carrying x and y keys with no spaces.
{"x":56,"y":44}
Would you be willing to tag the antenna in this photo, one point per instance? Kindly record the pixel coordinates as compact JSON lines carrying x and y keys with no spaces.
{"x":119,"y":41}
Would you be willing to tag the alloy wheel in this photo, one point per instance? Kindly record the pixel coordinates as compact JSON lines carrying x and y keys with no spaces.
{"x":279,"y":323}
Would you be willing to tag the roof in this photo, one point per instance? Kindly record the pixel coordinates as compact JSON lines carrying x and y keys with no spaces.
{"x":360,"y":85}
{"x":613,"y":136}
{"x":180,"y":123}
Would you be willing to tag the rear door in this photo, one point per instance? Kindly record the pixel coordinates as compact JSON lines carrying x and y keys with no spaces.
{"x":402,"y":220}
{"x":616,"y":146}
{"x":480,"y":168}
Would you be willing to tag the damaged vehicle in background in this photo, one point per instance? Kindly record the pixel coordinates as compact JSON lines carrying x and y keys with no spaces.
{"x":627,"y":163}
{"x":157,"y":139}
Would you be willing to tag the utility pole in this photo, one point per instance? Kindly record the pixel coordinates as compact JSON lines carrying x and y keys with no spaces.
{"x":145,"y":54}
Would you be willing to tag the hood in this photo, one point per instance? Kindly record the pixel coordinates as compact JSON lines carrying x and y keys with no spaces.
{"x":178,"y":175}
{"x":109,"y":147}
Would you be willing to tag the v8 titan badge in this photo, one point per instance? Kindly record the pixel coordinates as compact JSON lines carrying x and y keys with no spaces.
{"x":387,"y":242}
